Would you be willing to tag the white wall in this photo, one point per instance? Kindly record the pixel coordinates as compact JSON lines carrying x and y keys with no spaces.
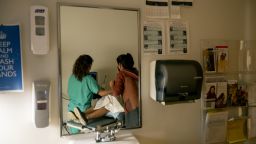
{"x":251,"y":21}
{"x":177,"y":124}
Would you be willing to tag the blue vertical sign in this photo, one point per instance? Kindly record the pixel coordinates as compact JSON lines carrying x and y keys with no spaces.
{"x":10,"y":59}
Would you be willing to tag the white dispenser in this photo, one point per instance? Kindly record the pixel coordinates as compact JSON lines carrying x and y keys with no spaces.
{"x":40,"y":102}
{"x":39,"y":30}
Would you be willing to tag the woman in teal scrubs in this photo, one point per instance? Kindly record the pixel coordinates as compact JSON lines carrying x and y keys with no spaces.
{"x":81,"y":87}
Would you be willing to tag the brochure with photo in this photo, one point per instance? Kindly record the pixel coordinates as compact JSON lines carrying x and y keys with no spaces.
{"x":222,"y":58}
{"x":221,"y":95}
{"x":209,"y":60}
{"x":210,"y":95}
{"x":232,"y":92}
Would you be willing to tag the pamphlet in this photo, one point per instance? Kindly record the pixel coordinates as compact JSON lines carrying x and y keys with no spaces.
{"x":221,"y":94}
{"x":209,"y":60}
{"x":216,"y":127}
{"x":235,"y":131}
{"x":222,"y":58}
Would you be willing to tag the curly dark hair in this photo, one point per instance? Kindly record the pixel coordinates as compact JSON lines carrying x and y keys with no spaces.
{"x":81,"y":66}
{"x":126,"y":60}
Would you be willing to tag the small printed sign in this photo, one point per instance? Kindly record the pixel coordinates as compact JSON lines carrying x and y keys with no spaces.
{"x":10,"y":59}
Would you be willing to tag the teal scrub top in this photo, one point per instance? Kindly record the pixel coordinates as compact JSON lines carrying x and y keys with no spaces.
{"x":81,"y":92}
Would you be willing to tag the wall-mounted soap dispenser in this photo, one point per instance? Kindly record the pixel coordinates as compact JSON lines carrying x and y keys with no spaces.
{"x":40,"y":102}
{"x":39,"y":20}
{"x":175,"y":81}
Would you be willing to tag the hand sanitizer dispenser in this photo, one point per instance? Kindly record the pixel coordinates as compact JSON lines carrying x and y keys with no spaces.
{"x":40,"y":99}
{"x":39,"y":30}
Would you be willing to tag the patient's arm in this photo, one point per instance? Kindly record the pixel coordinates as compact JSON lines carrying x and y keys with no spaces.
{"x":104,"y":92}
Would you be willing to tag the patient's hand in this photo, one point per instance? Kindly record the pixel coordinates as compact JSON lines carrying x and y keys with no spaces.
{"x":111,"y":84}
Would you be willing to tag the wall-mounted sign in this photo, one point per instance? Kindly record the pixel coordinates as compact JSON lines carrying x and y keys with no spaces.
{"x":10,"y":59}
{"x":178,"y":37}
{"x":154,"y":37}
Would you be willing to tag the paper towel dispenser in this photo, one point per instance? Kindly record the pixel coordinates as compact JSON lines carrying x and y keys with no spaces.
{"x":175,"y":81}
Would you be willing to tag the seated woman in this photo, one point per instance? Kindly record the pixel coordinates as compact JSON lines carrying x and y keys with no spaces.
{"x":126,"y":86}
{"x":81,"y":87}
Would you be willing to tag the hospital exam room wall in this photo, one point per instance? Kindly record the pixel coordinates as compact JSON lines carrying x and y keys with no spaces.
{"x":178,"y":124}
{"x":252,"y":20}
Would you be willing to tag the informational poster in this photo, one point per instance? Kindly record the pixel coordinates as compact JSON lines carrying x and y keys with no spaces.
{"x":157,"y":8}
{"x":10,"y":59}
{"x":178,"y":35}
{"x":154,"y":37}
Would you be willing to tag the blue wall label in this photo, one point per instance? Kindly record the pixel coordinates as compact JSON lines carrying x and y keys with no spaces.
{"x":10,"y":59}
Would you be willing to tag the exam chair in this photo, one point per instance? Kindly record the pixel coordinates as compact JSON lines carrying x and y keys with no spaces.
{"x":104,"y":127}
